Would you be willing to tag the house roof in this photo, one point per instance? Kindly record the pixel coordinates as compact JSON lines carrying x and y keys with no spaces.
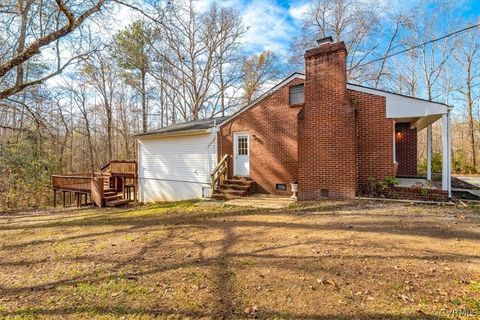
{"x":296,"y":75}
{"x":419,"y":112}
{"x":399,"y":107}
{"x":199,"y":126}
{"x":381,"y":92}
{"x":196,"y":126}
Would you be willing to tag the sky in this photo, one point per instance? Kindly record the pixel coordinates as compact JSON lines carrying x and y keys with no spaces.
{"x":272,"y":24}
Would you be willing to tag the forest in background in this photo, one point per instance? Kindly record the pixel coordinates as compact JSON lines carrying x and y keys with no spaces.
{"x":73,"y":97}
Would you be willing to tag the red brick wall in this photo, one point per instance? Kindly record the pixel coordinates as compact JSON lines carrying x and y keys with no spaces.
{"x":274,"y":149}
{"x":374,"y":137}
{"x":331,"y":145}
{"x":327,"y":147}
{"x":413,"y":193}
{"x":406,"y":149}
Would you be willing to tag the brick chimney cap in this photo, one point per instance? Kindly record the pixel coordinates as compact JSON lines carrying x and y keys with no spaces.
{"x":325,"y":40}
{"x":326,"y":49}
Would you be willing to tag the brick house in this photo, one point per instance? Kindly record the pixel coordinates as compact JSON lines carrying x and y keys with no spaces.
{"x":315,"y":129}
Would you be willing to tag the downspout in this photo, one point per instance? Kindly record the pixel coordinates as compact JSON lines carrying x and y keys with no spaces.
{"x":216,"y":140}
{"x":213,"y":141}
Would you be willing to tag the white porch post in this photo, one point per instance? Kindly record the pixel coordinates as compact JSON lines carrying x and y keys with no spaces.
{"x":446,"y":157}
{"x":429,"y":152}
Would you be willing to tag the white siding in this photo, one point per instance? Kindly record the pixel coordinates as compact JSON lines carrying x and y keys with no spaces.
{"x":175,"y":168}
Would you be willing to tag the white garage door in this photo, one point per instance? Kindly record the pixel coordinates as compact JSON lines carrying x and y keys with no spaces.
{"x":175,"y":168}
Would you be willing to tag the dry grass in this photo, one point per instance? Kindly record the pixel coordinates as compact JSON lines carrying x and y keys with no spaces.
{"x":324,"y":260}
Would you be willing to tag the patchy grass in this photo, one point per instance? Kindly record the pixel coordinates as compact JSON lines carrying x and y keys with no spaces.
{"x":323,"y":260}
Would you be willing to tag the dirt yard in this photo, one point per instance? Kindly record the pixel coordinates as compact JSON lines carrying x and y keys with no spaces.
{"x":325,"y":260}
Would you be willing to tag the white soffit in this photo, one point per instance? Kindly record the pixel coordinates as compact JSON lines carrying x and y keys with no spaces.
{"x":400,"y":106}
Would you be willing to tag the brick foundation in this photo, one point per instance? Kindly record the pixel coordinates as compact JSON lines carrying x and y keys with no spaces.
{"x":413,"y":193}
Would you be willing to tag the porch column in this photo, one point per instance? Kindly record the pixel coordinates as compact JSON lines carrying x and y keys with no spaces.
{"x":446,"y":156}
{"x":429,"y":152}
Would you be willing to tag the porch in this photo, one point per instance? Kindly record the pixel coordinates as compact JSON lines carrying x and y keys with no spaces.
{"x":412,"y":115}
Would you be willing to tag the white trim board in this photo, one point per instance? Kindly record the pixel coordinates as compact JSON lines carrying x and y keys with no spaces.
{"x":235,"y":153}
{"x":296,"y":75}
{"x":400,"y":106}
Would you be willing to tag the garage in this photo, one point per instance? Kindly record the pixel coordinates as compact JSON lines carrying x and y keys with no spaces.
{"x":175,"y":163}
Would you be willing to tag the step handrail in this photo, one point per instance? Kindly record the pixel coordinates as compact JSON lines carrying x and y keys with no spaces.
{"x":220,"y":170}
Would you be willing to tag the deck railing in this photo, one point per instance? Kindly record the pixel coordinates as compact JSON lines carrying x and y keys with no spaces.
{"x":80,"y":184}
{"x":119,"y":167}
{"x":220,"y":172}
{"x":121,"y":175}
{"x":71,"y":182}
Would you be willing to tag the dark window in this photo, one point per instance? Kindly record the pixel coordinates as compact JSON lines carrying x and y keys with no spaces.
{"x":296,"y":95}
{"x":281,"y":186}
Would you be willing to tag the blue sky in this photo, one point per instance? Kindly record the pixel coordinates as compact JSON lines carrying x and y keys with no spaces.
{"x":273,"y":23}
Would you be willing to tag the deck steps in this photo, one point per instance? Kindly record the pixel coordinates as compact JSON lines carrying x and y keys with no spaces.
{"x":113,"y":198}
{"x":116,"y":203}
{"x":234,"y":188}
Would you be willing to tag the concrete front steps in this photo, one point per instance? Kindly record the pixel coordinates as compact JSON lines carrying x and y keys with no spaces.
{"x":113,"y":199}
{"x":234,"y":188}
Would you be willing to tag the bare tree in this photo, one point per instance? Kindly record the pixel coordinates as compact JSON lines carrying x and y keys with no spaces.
{"x":79,"y":97}
{"x":192,"y":48}
{"x":353,"y":21}
{"x":467,"y":54}
{"x":40,"y":24}
{"x":102,"y":75}
{"x":433,"y":58}
{"x":257,"y":71}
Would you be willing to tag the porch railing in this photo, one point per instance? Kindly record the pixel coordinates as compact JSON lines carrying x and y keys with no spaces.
{"x":220,"y":171}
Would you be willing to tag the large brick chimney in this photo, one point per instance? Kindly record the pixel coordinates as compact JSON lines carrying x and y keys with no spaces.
{"x":326,"y":131}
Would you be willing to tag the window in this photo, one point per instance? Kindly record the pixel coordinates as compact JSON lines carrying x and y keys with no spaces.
{"x":243,"y":146}
{"x":281,"y":186}
{"x":296,"y":95}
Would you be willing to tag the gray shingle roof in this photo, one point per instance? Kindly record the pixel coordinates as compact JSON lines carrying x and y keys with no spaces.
{"x":186,"y":127}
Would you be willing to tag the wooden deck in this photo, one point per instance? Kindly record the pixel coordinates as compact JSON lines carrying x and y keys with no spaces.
{"x":117,"y":176}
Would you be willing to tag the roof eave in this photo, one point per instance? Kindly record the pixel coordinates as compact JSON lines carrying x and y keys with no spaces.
{"x":154,"y":135}
{"x":295,"y":75}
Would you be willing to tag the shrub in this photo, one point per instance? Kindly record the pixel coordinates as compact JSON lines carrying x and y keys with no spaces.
{"x":374,"y":187}
{"x":436,"y":164}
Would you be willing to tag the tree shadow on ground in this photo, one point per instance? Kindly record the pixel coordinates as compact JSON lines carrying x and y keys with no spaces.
{"x":227,"y":304}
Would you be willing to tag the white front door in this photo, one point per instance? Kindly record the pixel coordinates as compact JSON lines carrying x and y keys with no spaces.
{"x":241,"y":161}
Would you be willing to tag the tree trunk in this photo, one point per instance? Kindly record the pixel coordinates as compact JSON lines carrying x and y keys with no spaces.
{"x":144,"y":104}
{"x":471,"y":121}
{"x":109,"y":133}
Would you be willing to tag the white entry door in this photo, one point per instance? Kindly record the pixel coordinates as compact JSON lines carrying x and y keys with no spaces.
{"x":241,"y":161}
